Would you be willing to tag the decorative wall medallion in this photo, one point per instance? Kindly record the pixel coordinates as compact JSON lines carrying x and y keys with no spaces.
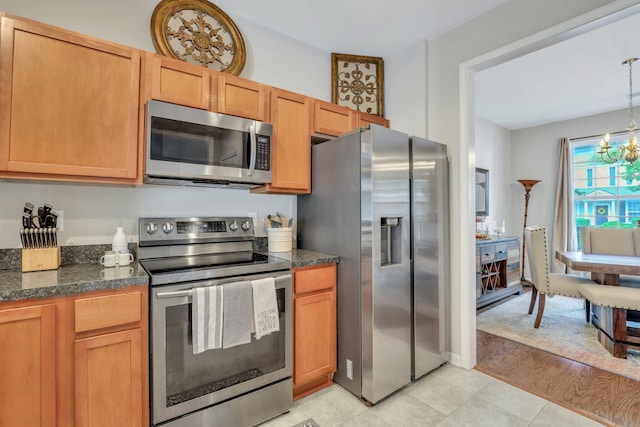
{"x":358,"y":82}
{"x":198,"y":32}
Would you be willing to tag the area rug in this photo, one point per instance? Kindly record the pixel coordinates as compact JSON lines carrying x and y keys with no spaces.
{"x":563,"y":331}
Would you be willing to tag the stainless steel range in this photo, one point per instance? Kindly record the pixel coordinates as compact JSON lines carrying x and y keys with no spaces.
{"x":237,"y":386}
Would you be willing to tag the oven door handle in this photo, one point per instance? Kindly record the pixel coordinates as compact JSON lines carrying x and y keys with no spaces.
{"x":189,"y":292}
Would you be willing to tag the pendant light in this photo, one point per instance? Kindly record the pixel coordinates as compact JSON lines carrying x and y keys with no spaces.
{"x":628,"y":152}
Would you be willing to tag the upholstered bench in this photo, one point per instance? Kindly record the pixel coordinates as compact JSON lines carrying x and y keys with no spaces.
{"x":611,"y":296}
{"x":613,"y":241}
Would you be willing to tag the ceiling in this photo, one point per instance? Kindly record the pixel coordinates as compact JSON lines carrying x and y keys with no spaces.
{"x":578,"y":77}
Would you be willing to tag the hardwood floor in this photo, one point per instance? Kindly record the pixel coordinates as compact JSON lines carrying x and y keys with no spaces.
{"x":605,"y":397}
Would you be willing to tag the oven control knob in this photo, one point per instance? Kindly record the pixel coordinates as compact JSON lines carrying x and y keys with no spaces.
{"x":167,"y":227}
{"x":246,"y":225}
{"x":233,"y":226}
{"x":151,"y":228}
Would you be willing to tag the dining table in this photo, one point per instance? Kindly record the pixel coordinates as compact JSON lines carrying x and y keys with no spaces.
{"x":615,"y":331}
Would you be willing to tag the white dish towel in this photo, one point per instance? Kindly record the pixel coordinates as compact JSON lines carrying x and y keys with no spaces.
{"x":237,"y":314}
{"x":206,"y":324}
{"x":265,"y":307}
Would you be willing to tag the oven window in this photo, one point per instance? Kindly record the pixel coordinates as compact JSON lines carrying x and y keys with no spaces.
{"x":176,"y":141}
{"x":190,"y":376}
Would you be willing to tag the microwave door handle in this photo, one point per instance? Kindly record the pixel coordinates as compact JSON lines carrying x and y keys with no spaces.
{"x":254,"y":147}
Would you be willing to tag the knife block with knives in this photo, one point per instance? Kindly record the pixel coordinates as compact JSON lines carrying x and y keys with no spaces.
{"x":39,"y":237}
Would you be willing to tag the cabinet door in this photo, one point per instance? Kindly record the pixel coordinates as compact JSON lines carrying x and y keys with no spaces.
{"x":109,"y":380}
{"x":366,"y":119}
{"x":243,"y":98}
{"x":69,"y":103}
{"x":291,"y":143}
{"x":178,"y":82}
{"x":332,"y":119}
{"x":27,"y":366}
{"x":314,"y":336}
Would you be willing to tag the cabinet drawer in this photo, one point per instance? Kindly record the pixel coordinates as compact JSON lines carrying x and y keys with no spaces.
{"x":107,"y":311}
{"x":501,"y":251}
{"x":487,"y":254}
{"x":314,"y":279}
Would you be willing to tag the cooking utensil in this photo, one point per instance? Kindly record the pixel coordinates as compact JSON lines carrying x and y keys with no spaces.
{"x":28,"y":208}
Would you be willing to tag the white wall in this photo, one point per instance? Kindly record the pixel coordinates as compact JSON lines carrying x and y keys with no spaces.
{"x":534,"y":154}
{"x":406,"y":89}
{"x":493,"y":152}
{"x":91,"y":211}
{"x":445,"y":56}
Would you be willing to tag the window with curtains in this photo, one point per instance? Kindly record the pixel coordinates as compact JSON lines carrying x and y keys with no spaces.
{"x":605,"y":194}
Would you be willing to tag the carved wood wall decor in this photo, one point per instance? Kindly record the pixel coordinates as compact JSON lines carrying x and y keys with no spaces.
{"x":198,"y":32}
{"x":358,"y":82}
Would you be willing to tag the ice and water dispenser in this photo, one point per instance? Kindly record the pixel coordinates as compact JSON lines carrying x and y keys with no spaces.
{"x":390,"y":240}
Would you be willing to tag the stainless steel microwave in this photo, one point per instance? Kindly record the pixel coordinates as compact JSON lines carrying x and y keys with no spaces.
{"x":188,"y":146}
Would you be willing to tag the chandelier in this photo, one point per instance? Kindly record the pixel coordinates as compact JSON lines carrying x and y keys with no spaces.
{"x":627,"y":152}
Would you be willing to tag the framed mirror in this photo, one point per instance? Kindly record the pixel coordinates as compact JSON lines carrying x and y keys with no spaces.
{"x":482,"y":192}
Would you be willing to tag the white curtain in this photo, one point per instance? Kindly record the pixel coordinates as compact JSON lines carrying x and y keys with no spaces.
{"x":564,"y":231}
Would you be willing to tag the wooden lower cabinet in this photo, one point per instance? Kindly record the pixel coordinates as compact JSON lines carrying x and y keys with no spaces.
{"x":28,"y":366}
{"x":314,"y":308}
{"x":108,"y":380}
{"x":111,"y":358}
{"x":76,"y":361}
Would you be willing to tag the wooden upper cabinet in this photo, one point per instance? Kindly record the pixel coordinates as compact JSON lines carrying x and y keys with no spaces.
{"x":28,"y":366}
{"x":69,"y":104}
{"x":365,"y":119}
{"x":332,"y":119}
{"x":290,"y":144}
{"x":241,"y":97}
{"x":178,"y":82}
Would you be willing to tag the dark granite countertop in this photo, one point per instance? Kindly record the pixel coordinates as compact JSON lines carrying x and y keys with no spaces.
{"x":68,"y":280}
{"x":72,"y":278}
{"x":305,"y":258}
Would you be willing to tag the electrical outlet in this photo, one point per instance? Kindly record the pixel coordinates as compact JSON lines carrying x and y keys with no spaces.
{"x":254,"y":217}
{"x":60,"y":221}
{"x":349,"y":369}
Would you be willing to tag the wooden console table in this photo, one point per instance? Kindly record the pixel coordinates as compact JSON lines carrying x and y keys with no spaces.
{"x":497,"y":269}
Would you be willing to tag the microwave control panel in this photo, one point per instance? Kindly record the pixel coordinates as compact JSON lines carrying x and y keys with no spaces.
{"x":263,"y":152}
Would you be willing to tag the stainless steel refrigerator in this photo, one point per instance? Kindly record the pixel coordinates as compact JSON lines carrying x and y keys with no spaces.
{"x":379,"y":201}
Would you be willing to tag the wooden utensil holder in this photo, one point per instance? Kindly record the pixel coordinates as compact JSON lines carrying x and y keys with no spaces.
{"x":40,"y":259}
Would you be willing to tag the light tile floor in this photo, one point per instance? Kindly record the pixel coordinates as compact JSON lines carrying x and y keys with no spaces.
{"x":447,"y":397}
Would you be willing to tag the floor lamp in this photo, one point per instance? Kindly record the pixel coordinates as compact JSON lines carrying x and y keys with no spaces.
{"x":528,"y":185}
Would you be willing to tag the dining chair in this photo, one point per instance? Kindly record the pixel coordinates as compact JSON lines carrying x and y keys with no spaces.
{"x":545,"y":282}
